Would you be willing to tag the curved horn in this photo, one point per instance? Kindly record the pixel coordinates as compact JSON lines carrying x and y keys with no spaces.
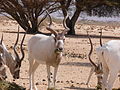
{"x":64,"y":24}
{"x":42,"y":19}
{"x":22,"y":51}
{"x":1,"y":39}
{"x":101,"y":38}
{"x":49,"y":27}
{"x":89,"y":55}
{"x":14,"y":48}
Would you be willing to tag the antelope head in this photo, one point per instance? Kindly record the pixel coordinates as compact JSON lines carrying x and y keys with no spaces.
{"x":58,"y":37}
{"x":15,"y":69}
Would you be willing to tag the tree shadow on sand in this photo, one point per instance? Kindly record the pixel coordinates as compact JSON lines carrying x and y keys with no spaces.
{"x":92,"y":36}
{"x":78,"y":88}
{"x":73,"y":36}
{"x":85,"y":64}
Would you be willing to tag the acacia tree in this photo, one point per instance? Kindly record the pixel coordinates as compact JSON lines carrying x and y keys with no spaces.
{"x":80,"y":5}
{"x":26,"y":12}
{"x":85,"y":5}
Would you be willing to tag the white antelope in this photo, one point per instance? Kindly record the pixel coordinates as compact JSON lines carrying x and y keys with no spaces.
{"x":43,"y":49}
{"x":109,"y":56}
{"x":12,"y":61}
{"x":95,"y":68}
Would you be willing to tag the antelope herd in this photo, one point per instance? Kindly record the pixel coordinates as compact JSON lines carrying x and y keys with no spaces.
{"x":48,"y":50}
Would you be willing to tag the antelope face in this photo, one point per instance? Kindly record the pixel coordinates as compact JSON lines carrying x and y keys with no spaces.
{"x":14,"y":66}
{"x":99,"y":70}
{"x":16,"y":71}
{"x":59,"y":42}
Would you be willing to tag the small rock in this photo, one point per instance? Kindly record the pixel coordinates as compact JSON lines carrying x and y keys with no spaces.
{"x":67,"y":81}
{"x":44,"y":84}
{"x":71,"y":81}
{"x":43,"y":80}
{"x":61,"y":81}
{"x":58,"y":82}
{"x":72,"y":86}
{"x":37,"y":83}
{"x":82,"y":83}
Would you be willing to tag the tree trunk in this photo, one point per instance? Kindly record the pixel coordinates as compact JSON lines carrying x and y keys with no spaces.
{"x":32,"y":31}
{"x":34,"y":28}
{"x":72,"y":22}
{"x":71,"y":27}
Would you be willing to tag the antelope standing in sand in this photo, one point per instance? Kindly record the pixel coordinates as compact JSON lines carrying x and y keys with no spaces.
{"x":12,"y":61}
{"x":95,"y":68}
{"x":43,"y":49}
{"x":109,"y":55}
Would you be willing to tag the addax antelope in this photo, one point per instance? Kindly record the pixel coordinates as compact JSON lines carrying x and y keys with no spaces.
{"x":97,"y":68}
{"x":46,"y":49}
{"x":12,"y":61}
{"x":109,"y":56}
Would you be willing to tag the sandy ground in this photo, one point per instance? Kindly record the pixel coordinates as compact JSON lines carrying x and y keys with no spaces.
{"x":74,"y":68}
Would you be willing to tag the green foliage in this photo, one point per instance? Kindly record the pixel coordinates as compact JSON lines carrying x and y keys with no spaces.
{"x":98,"y":87}
{"x":4,"y":85}
{"x":112,"y":3}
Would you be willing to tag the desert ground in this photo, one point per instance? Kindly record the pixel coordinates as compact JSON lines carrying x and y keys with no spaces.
{"x":74,"y":67}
